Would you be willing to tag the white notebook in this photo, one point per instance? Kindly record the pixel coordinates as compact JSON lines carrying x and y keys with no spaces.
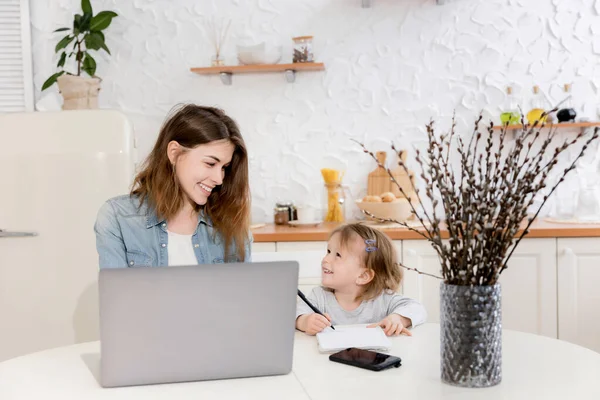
{"x":360,"y":337}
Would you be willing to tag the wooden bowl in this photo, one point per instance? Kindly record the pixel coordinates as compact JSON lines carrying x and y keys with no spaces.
{"x":398,"y":209}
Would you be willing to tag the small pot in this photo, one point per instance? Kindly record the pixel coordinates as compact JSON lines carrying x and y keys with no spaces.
{"x":78,"y":92}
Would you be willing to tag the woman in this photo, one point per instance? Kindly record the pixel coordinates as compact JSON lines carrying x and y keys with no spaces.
{"x":189,"y":205}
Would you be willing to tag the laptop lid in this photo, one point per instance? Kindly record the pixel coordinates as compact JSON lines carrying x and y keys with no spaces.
{"x":177,"y":324}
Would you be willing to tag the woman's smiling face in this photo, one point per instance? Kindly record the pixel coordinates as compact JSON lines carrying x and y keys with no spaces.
{"x":201,"y":169}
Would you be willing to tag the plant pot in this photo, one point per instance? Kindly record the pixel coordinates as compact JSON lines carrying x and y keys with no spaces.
{"x":471,"y":335}
{"x":78,"y":92}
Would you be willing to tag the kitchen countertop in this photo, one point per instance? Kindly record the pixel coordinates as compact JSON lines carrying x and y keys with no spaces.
{"x":540,"y":229}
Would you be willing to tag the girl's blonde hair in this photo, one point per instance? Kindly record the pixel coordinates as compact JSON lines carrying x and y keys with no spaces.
{"x":381,"y":258}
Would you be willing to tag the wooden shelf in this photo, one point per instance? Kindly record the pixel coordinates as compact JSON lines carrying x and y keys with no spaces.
{"x":367,"y":3}
{"x":553,"y":125}
{"x":289,"y":69}
{"x":236,"y":69}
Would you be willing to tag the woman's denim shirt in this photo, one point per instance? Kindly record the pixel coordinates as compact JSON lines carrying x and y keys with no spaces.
{"x":128,"y":235}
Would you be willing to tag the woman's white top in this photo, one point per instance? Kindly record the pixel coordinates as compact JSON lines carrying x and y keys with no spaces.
{"x":181,"y":250}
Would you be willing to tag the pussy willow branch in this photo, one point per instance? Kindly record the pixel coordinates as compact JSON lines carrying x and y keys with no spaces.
{"x":435,"y":223}
{"x":562,"y":178}
{"x":486,"y":199}
{"x":418,"y":272}
{"x":436,"y":227}
{"x":545,"y":170}
{"x":403,"y":224}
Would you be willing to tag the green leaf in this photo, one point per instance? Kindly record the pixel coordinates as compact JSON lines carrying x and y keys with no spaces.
{"x":89,"y":65}
{"x":94,"y":41}
{"x":76,"y":23}
{"x":63,"y":58}
{"x":61,"y":30}
{"x":64,"y":42}
{"x":86,"y":6}
{"x":102,"y":20}
{"x":105,"y":48}
{"x":103,"y":40}
{"x":52,"y":80}
{"x":84,"y":24}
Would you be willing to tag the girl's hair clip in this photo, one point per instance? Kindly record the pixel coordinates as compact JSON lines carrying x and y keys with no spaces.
{"x":370,"y":243}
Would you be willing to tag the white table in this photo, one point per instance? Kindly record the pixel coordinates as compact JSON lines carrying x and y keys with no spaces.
{"x":534,"y":367}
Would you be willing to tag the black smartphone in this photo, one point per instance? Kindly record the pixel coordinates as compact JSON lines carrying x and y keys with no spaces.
{"x":366,"y":359}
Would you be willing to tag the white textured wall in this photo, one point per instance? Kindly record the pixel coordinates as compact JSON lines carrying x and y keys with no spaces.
{"x":388,"y":70}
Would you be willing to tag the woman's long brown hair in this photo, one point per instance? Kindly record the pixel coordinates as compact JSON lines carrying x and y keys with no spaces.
{"x":228,"y":206}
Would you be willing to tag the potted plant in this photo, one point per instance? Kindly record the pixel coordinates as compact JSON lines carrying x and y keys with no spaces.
{"x":482,"y":193}
{"x":78,"y":91}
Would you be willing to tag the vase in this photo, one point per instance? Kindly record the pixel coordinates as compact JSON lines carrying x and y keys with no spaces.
{"x":471,"y":335}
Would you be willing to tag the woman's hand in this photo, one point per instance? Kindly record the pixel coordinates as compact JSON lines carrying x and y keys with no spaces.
{"x":393,"y":325}
{"x":313,"y":323}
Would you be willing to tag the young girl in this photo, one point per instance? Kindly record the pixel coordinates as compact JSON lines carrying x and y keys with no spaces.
{"x":360,"y":278}
{"x":190,"y":202}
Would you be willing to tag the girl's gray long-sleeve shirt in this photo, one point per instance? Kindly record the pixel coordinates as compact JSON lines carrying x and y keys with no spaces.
{"x":368,"y":312}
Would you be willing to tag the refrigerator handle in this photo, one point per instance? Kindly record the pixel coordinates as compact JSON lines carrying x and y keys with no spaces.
{"x":5,"y":234}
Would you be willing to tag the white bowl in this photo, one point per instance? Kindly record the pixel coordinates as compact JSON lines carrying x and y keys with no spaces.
{"x":398,"y":209}
{"x":254,"y":48}
{"x":259,"y":54}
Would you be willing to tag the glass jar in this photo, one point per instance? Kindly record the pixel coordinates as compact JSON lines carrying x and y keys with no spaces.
{"x":334,"y":202}
{"x":303,"y":51}
{"x":291,"y":209}
{"x":281,"y":215}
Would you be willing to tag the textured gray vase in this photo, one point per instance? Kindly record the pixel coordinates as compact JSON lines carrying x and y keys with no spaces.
{"x":471,"y":335}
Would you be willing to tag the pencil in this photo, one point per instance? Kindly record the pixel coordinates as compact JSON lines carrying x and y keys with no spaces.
{"x":315,"y":309}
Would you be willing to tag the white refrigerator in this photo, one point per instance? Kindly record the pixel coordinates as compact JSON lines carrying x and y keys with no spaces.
{"x":56,"y":169}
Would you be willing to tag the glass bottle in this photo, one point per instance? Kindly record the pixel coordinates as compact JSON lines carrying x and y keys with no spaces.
{"x":510,"y":112}
{"x":588,"y":204}
{"x":334,"y":200}
{"x":567,"y":113}
{"x":537,"y":107}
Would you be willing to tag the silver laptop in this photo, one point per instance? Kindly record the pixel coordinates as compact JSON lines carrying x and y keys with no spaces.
{"x":178,"y":324}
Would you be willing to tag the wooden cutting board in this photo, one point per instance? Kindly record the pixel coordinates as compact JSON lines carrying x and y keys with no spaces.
{"x":406,"y":181}
{"x":379,"y":181}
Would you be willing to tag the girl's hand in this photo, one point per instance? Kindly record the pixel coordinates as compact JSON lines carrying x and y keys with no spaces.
{"x":392,"y":325}
{"x":314,"y":323}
